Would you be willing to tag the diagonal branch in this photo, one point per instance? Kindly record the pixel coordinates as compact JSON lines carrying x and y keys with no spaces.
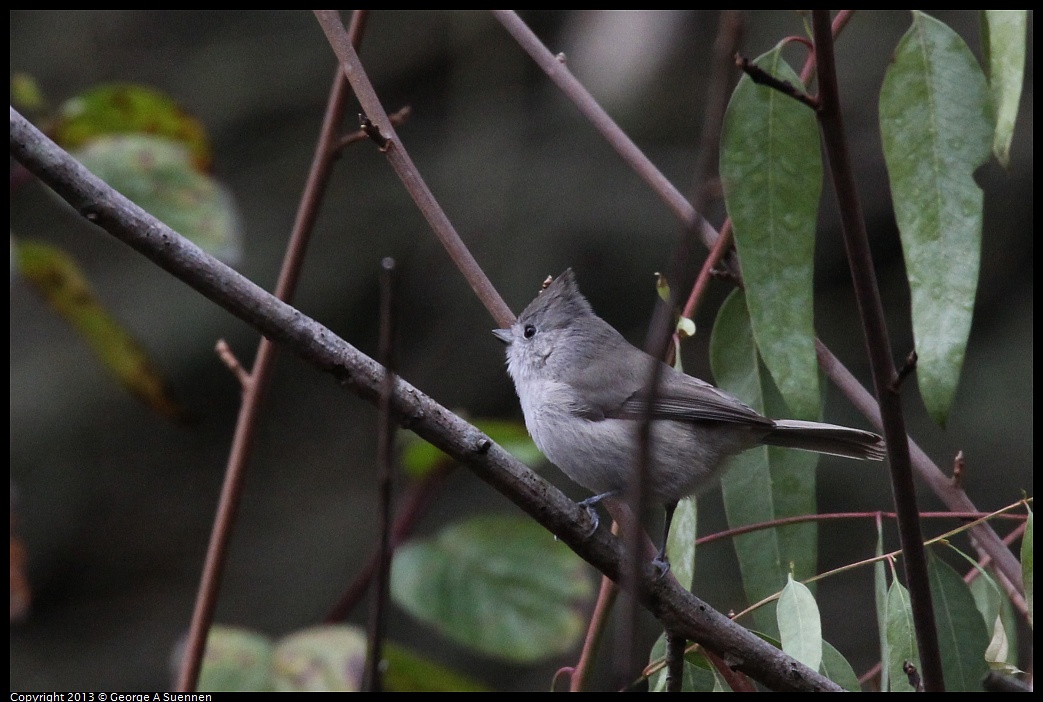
{"x":557,"y":71}
{"x":403,"y":166}
{"x":678,"y":609}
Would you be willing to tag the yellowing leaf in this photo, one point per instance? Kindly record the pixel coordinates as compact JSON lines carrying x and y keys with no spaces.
{"x":124,"y":108}
{"x":57,"y":277}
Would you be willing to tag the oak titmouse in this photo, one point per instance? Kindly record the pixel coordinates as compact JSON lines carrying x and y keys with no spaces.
{"x":584,"y":392}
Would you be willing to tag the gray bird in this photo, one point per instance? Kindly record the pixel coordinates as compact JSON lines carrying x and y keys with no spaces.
{"x":584,"y":393}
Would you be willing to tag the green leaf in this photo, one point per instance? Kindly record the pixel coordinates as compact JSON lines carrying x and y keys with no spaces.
{"x":158,"y":175}
{"x":328,"y":658}
{"x":419,"y":457}
{"x":771,"y":170}
{"x":937,"y":127}
{"x":408,"y":671}
{"x":236,"y":660}
{"x":501,"y":586}
{"x":800,"y":626}
{"x":997,"y":614}
{"x":836,"y":668}
{"x":680,"y":543}
{"x":319,"y":659}
{"x":125,"y":108}
{"x":880,"y":596}
{"x":57,"y":277}
{"x":901,"y":638}
{"x":1004,"y":35}
{"x":1001,"y":653}
{"x":26,"y":94}
{"x":762,"y":484}
{"x":1026,"y":564}
{"x":962,"y":637}
{"x":987,"y":596}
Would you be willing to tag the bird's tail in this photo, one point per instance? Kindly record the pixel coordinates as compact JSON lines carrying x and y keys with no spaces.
{"x":827,"y":438}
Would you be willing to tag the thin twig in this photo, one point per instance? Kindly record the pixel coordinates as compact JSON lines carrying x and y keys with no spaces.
{"x":558,"y":72}
{"x":373,"y":132}
{"x":761,"y":77}
{"x":702,"y":282}
{"x":386,"y":433}
{"x":397,"y":118}
{"x":224,"y":352}
{"x":805,"y":518}
{"x":595,"y":630}
{"x":253,"y":397}
{"x":807,"y":73}
{"x":874,"y":325}
{"x":407,"y":172}
{"x":418,"y":498}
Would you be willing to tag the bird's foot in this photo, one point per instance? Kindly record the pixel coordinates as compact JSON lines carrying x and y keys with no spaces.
{"x":662,"y":564}
{"x":589,"y":504}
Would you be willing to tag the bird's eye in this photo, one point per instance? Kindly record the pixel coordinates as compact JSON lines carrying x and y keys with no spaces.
{"x":530,"y":331}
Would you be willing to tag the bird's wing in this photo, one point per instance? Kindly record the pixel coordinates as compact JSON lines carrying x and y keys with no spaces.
{"x":691,"y":400}
{"x":680,"y":397}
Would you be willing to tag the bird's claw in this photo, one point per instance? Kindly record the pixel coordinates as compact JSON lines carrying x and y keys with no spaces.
{"x":588,"y":504}
{"x":662,"y":566}
{"x":595,"y":520}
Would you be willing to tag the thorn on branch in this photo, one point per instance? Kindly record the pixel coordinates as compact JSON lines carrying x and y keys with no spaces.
{"x":373,"y":132}
{"x":724,"y":272}
{"x":914,"y":676}
{"x":761,"y":77}
{"x":958,"y":468}
{"x":908,"y":367}
{"x":397,"y":120}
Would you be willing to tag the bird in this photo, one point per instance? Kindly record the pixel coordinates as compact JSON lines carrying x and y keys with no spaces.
{"x":584,"y":392}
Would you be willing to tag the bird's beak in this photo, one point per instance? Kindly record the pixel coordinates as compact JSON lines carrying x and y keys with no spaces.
{"x":503,"y":335}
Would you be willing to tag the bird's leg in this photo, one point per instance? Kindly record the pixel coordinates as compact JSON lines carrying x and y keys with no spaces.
{"x":588,"y":504}
{"x":661,"y":562}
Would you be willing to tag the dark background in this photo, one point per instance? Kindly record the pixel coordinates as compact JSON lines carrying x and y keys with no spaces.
{"x":115,"y":504}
